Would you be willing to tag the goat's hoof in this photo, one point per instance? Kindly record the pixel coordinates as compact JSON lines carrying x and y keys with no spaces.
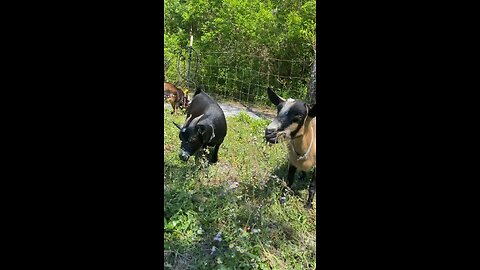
{"x":283,"y":200}
{"x":308,"y":206}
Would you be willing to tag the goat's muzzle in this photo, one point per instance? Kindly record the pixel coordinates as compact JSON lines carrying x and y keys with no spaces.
{"x":184,"y":155}
{"x":272,"y":136}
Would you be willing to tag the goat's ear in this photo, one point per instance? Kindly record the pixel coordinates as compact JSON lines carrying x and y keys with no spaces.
{"x":274,"y":98}
{"x":312,"y":111}
{"x":206,"y":131}
{"x":198,"y":90}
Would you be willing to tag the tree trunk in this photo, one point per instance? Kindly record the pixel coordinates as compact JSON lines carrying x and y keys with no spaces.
{"x":312,"y":88}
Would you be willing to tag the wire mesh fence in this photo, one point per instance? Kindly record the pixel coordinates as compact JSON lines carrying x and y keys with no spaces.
{"x":245,"y":78}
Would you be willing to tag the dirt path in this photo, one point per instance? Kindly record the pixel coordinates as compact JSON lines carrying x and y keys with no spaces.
{"x":232,"y":108}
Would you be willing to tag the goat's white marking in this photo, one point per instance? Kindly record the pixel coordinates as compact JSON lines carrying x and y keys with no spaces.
{"x":213,"y":133}
{"x":288,"y":104}
{"x":275,"y":124}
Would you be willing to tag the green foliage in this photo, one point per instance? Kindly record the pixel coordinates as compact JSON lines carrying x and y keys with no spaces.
{"x":252,"y":34}
{"x":237,"y":196}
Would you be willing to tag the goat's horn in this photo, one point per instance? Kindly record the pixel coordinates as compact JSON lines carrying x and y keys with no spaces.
{"x":195,"y":120}
{"x":187,"y":121}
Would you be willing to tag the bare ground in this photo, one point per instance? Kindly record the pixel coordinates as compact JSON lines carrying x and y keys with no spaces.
{"x":231,"y":108}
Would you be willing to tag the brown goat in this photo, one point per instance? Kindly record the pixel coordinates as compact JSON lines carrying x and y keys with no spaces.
{"x":175,"y":96}
{"x":296,"y":122}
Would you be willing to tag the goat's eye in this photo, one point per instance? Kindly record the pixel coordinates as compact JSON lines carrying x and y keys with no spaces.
{"x":297,"y":118}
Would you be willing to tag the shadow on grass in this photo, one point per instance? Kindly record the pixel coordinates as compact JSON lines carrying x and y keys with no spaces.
{"x":301,"y":180}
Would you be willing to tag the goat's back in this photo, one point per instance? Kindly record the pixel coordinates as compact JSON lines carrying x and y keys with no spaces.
{"x":202,"y":103}
{"x":171,"y":90}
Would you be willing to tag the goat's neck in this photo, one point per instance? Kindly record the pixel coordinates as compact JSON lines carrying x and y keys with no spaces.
{"x":301,"y":143}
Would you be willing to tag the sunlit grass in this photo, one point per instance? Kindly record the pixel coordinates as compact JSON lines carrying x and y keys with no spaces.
{"x":238,"y":197}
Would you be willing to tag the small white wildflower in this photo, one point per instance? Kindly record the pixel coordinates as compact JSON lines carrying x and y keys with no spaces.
{"x":256,"y":230}
{"x":218,"y":237}
{"x":213,"y":250}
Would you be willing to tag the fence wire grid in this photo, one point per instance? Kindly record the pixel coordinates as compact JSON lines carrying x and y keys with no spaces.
{"x":243,"y":78}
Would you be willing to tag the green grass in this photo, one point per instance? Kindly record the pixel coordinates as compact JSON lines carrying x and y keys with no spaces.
{"x":256,"y":231}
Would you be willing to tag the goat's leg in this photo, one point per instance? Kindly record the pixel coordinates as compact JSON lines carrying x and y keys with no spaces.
{"x":303,"y":176}
{"x":214,"y":157}
{"x":173,"y":106}
{"x":311,"y":190}
{"x":178,"y":104}
{"x":290,"y":176}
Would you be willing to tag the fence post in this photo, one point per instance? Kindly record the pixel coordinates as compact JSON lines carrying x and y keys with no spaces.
{"x":189,"y":58}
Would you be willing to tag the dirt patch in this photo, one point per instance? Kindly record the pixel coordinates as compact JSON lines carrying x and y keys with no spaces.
{"x":231,"y":108}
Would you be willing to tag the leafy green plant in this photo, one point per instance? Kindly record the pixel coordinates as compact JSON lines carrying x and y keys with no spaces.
{"x":241,"y":41}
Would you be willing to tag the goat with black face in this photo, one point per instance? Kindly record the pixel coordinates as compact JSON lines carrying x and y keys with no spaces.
{"x":205,"y":127}
{"x":296,"y":122}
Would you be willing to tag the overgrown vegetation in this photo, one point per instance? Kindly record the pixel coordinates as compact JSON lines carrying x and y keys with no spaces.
{"x":252,"y":35}
{"x":227,"y":215}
